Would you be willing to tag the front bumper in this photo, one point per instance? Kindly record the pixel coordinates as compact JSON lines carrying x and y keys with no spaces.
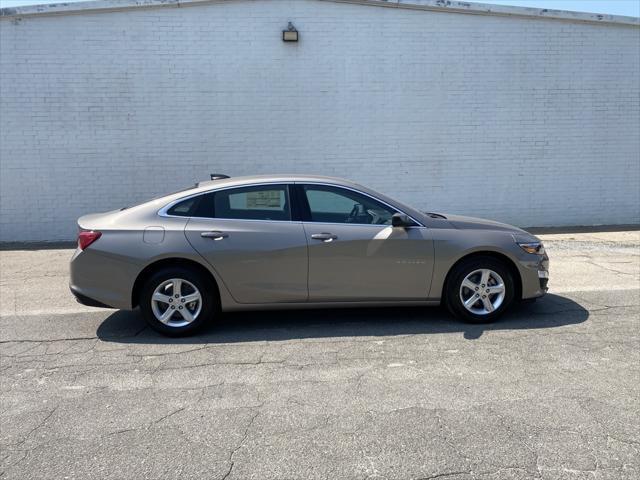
{"x":534,"y":270}
{"x":543,"y":278}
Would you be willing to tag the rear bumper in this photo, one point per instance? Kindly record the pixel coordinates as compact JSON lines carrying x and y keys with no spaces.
{"x":99,"y":279}
{"x":84,"y":300}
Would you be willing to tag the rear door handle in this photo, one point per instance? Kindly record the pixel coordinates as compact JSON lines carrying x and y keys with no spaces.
{"x":214,"y":235}
{"x":325,"y":237}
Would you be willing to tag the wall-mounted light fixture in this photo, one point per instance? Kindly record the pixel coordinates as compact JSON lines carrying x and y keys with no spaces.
{"x":290,"y":34}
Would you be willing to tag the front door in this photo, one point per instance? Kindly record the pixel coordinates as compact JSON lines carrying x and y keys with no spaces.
{"x":354,"y":252}
{"x":247,"y":236}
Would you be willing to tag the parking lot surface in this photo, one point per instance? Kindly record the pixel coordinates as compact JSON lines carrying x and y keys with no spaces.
{"x":552,"y":391}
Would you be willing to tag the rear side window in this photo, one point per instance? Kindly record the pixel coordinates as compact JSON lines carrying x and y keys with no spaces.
{"x":268,"y":202}
{"x":264,"y":202}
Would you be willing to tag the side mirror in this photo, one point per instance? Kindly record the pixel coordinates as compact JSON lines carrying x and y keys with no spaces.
{"x":401,"y":220}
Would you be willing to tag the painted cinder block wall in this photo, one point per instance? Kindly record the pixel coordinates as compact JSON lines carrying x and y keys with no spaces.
{"x":520,"y":118}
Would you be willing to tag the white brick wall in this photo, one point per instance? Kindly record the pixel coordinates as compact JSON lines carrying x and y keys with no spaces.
{"x":531,"y":121}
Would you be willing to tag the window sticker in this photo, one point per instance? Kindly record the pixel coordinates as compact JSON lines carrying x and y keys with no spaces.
{"x":265,"y":200}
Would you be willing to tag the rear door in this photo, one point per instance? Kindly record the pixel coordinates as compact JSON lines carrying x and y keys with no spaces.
{"x":247,"y":235}
{"x":354,"y":252}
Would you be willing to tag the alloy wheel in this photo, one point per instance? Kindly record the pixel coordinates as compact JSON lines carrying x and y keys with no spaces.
{"x":176,"y":302}
{"x":482,"y":291}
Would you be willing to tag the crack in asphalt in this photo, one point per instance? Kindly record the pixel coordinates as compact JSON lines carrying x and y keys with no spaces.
{"x":37,"y":427}
{"x":240,"y":445}
{"x":52,"y":340}
{"x":446,"y":474}
{"x":447,"y":434}
{"x":171,"y":414}
{"x":214,"y":364}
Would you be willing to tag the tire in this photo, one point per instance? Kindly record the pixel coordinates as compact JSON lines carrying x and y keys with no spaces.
{"x":185,"y":314}
{"x":471,"y":273}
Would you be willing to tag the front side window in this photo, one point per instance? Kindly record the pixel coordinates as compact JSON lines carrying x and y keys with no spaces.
{"x":338,"y":205}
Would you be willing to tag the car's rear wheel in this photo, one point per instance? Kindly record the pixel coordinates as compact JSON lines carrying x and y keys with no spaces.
{"x":177,"y":301}
{"x":480,"y":289}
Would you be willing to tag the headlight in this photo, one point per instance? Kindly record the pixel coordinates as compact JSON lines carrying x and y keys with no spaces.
{"x":537,"y":248}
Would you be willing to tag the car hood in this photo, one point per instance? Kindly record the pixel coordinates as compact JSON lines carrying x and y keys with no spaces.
{"x":471,"y":223}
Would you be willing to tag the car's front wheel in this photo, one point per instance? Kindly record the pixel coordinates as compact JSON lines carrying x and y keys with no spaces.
{"x":177,"y":301}
{"x":480,"y":289}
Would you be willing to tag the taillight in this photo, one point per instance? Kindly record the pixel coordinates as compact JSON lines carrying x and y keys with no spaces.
{"x":86,"y":238}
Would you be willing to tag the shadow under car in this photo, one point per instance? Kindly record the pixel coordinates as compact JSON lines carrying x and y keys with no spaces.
{"x":277,"y":325}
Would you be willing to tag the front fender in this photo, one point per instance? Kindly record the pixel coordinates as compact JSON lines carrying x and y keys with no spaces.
{"x":452,"y":245}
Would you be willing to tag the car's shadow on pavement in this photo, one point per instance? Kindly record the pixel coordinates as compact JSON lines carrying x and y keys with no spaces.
{"x":549,"y":312}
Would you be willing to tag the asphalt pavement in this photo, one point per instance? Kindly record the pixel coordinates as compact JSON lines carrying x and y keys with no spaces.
{"x":552,"y":391}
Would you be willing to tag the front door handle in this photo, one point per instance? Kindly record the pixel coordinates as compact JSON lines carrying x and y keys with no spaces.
{"x":325,"y":237}
{"x":214,"y":235}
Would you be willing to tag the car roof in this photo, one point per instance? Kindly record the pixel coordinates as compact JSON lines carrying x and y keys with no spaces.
{"x":251,"y":179}
{"x":220,"y":183}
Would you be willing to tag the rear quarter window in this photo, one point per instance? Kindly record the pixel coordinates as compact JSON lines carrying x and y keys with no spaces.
{"x":198,"y":206}
{"x":184,"y":208}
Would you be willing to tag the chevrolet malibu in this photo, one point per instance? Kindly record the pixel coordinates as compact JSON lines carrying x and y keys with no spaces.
{"x":297,"y":241}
